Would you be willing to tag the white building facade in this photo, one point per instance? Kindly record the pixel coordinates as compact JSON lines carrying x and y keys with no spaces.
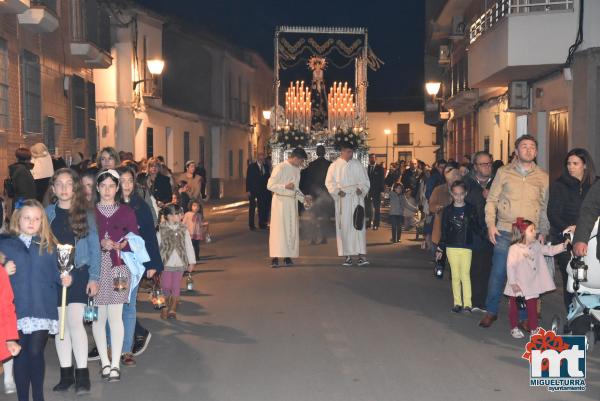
{"x":203,"y":106}
{"x":408,"y":137}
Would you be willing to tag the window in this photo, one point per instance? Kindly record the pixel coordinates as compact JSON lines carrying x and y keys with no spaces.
{"x":229,"y":97}
{"x":186,"y":146}
{"x":403,"y":136}
{"x":32,"y":93}
{"x":231,"y":163}
{"x":246,"y":107}
{"x":145,"y":62}
{"x":239,"y":101}
{"x":406,"y":156}
{"x":50,"y":134}
{"x":240,"y":163}
{"x":201,"y":151}
{"x":3,"y":85}
{"x":78,"y":105}
{"x":92,"y":130}
{"x":149,"y":142}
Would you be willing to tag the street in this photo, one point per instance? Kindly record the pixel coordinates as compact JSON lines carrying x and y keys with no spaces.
{"x":318,"y":331}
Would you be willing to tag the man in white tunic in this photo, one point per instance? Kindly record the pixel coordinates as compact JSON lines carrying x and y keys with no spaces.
{"x":284,"y":238}
{"x":348,"y":183}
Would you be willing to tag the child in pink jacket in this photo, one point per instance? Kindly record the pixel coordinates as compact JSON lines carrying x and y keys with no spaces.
{"x":527,"y":272}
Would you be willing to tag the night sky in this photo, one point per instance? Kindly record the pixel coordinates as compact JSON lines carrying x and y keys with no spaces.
{"x":396,"y":33}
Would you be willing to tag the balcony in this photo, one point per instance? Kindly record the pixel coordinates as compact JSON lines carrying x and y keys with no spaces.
{"x":504,"y":38}
{"x":41,"y":17}
{"x":462,"y":99}
{"x":404,"y":139}
{"x":13,"y":6}
{"x":90,"y":36}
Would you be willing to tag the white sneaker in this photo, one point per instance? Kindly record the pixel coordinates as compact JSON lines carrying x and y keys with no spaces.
{"x":517,"y":333}
{"x":536,"y":331}
{"x":10,"y":387}
{"x":348,"y":262}
{"x":363,"y":262}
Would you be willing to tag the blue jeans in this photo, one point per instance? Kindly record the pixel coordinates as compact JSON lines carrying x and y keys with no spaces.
{"x":129,"y":313}
{"x":497,"y":281}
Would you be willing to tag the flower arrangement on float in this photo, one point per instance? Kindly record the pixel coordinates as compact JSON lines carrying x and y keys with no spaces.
{"x":355,"y":137}
{"x":290,"y":137}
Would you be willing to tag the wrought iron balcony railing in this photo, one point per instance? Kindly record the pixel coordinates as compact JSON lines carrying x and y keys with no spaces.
{"x":503,"y":8}
{"x":90,"y":23}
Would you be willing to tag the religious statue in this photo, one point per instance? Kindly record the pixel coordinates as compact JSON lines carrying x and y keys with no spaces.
{"x":318,"y":94}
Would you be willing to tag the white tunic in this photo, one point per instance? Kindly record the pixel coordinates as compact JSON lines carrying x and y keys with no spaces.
{"x":348,"y":177}
{"x":284,"y":238}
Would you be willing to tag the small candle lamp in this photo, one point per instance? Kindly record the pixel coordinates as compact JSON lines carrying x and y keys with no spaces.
{"x":90,"y":312}
{"x":158,"y":298}
{"x":189,"y":282}
{"x":120,"y":282}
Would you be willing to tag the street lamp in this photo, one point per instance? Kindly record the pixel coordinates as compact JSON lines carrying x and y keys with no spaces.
{"x":155,"y":66}
{"x":267,"y":115}
{"x":433,"y":88}
{"x":387,"y":133}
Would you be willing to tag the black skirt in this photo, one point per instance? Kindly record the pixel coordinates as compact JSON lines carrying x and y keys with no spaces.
{"x":76,"y":293}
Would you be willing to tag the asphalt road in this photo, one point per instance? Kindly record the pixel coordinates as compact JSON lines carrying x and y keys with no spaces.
{"x":321,"y":332}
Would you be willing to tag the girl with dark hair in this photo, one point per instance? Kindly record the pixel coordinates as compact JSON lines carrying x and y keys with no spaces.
{"x":145,"y":222}
{"x":460,"y":225}
{"x":88,"y":185}
{"x":527,"y":273}
{"x":193,"y":219}
{"x":566,"y":195}
{"x":114,"y":221}
{"x":177,"y":253}
{"x":73,"y":223}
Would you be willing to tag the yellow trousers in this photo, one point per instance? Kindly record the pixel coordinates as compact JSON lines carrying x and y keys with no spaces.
{"x":460,"y":266}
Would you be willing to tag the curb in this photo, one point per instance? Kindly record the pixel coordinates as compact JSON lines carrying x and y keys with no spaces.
{"x":229,"y":206}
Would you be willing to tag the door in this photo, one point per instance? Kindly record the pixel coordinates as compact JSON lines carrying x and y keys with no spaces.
{"x":558,"y":142}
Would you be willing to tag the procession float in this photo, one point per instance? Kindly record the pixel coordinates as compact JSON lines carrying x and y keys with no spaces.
{"x":312,"y":111}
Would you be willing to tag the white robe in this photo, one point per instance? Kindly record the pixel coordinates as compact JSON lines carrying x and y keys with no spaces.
{"x":348,"y":177}
{"x":284,"y":237}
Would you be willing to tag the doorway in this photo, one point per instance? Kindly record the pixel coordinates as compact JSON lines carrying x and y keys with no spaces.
{"x":558,"y":142}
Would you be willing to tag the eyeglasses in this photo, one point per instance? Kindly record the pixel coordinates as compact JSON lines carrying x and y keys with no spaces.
{"x":484,"y":164}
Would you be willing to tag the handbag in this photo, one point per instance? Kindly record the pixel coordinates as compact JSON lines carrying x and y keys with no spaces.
{"x":358,"y":217}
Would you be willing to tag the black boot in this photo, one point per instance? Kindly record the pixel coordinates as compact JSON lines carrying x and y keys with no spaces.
{"x":66,"y":379}
{"x":82,"y":381}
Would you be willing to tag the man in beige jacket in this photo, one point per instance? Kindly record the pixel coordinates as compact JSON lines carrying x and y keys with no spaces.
{"x":520,"y":189}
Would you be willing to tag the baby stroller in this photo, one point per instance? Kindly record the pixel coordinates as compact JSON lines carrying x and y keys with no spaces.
{"x":583,"y":281}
